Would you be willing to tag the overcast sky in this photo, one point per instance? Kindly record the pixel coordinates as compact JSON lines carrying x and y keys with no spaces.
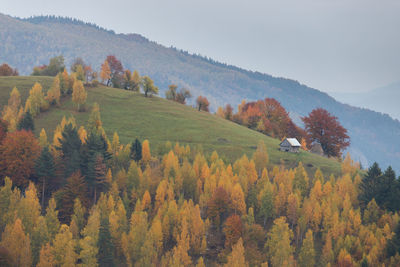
{"x":331,"y":45}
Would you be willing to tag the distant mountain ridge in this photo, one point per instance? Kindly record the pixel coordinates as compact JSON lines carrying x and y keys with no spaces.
{"x":384,"y":99}
{"x":31,"y":42}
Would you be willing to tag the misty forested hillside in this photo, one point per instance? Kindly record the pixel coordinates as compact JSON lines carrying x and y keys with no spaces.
{"x":31,"y":42}
{"x":384,"y":99}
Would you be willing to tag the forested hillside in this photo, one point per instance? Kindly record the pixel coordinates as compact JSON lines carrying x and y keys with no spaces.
{"x":86,"y":199}
{"x":31,"y":42}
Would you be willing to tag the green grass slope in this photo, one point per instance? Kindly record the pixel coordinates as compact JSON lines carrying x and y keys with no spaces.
{"x":132,"y":116}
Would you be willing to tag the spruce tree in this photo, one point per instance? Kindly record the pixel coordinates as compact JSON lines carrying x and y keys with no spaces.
{"x":105,"y":257}
{"x":26,"y":122}
{"x":369,"y":185}
{"x":393,"y":245}
{"x":136,"y":150}
{"x":45,"y":169}
{"x":70,"y":146}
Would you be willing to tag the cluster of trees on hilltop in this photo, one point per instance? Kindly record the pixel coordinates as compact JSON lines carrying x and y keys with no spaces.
{"x":6,"y":70}
{"x":270,"y":117}
{"x":84,"y":199}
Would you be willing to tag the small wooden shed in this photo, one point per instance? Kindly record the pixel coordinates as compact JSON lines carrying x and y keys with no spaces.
{"x":290,"y":145}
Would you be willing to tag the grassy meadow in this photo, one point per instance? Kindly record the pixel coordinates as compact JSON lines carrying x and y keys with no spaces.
{"x":132,"y":116}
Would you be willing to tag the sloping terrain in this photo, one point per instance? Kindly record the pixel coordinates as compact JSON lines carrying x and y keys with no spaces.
{"x":132,"y":116}
{"x":26,"y":43}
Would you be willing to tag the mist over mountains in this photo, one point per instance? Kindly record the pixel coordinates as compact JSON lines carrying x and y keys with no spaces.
{"x":30,"y":42}
{"x":384,"y":99}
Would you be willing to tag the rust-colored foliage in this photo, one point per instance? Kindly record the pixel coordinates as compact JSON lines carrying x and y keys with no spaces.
{"x":325,"y":129}
{"x":269,"y":117}
{"x":18,"y":154}
{"x":233,"y":230}
{"x":6,"y":70}
{"x":202,"y":103}
{"x":3,"y":130}
{"x":218,"y":206}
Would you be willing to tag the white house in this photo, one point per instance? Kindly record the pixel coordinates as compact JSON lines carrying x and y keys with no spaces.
{"x":290,"y":145}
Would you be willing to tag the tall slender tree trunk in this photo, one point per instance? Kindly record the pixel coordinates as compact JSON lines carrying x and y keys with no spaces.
{"x":44,"y":181}
{"x":95,"y":191}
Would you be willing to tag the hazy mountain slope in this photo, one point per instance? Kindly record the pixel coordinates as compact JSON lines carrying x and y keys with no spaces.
{"x":132,"y":116}
{"x":32,"y":42}
{"x":384,"y":99}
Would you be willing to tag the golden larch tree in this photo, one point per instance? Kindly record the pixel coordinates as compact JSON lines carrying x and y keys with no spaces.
{"x":17,"y":243}
{"x":237,"y":258}
{"x":79,"y":94}
{"x":146,"y":156}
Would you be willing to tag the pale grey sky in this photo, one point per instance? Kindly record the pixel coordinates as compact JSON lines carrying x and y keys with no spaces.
{"x":331,"y":45}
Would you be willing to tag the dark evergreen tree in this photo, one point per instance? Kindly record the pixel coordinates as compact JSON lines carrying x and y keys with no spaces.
{"x":393,"y":245}
{"x":45,"y":170}
{"x":390,"y":191}
{"x":369,"y":185}
{"x":105,"y":257}
{"x":136,"y":150}
{"x":26,"y":122}
{"x":384,"y":187}
{"x":95,"y":147}
{"x":70,"y":148}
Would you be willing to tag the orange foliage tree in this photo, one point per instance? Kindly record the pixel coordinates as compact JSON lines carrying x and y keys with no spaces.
{"x":18,"y":154}
{"x":325,"y":129}
{"x":202,"y":103}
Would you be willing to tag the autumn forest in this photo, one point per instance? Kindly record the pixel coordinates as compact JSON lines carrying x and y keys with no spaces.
{"x":83,"y":198}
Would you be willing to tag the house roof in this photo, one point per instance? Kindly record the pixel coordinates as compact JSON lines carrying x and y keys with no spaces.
{"x":293,"y":142}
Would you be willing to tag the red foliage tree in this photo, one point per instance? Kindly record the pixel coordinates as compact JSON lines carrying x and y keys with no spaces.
{"x":202,"y":103}
{"x":75,"y":188}
{"x":233,"y":230}
{"x":218,"y":206}
{"x":3,"y":130}
{"x":6,"y":70}
{"x":116,"y":70}
{"x":18,"y":153}
{"x":268,"y":116}
{"x":325,"y":129}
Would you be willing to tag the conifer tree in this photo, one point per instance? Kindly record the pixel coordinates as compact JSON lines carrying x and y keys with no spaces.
{"x":136,"y":150}
{"x":51,"y":217}
{"x":45,"y":170}
{"x":26,"y":122}
{"x":46,"y":257}
{"x":17,"y":243}
{"x":11,"y":111}
{"x":260,"y":157}
{"x":75,"y":188}
{"x":94,"y":122}
{"x":89,"y":243}
{"x":43,"y":139}
{"x":39,"y":237}
{"x":146,"y":156}
{"x":79,"y":216}
{"x":70,"y":146}
{"x":64,"y":247}
{"x":280,"y":250}
{"x":307,"y":252}
{"x":237,"y":258}
{"x":105,"y":256}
